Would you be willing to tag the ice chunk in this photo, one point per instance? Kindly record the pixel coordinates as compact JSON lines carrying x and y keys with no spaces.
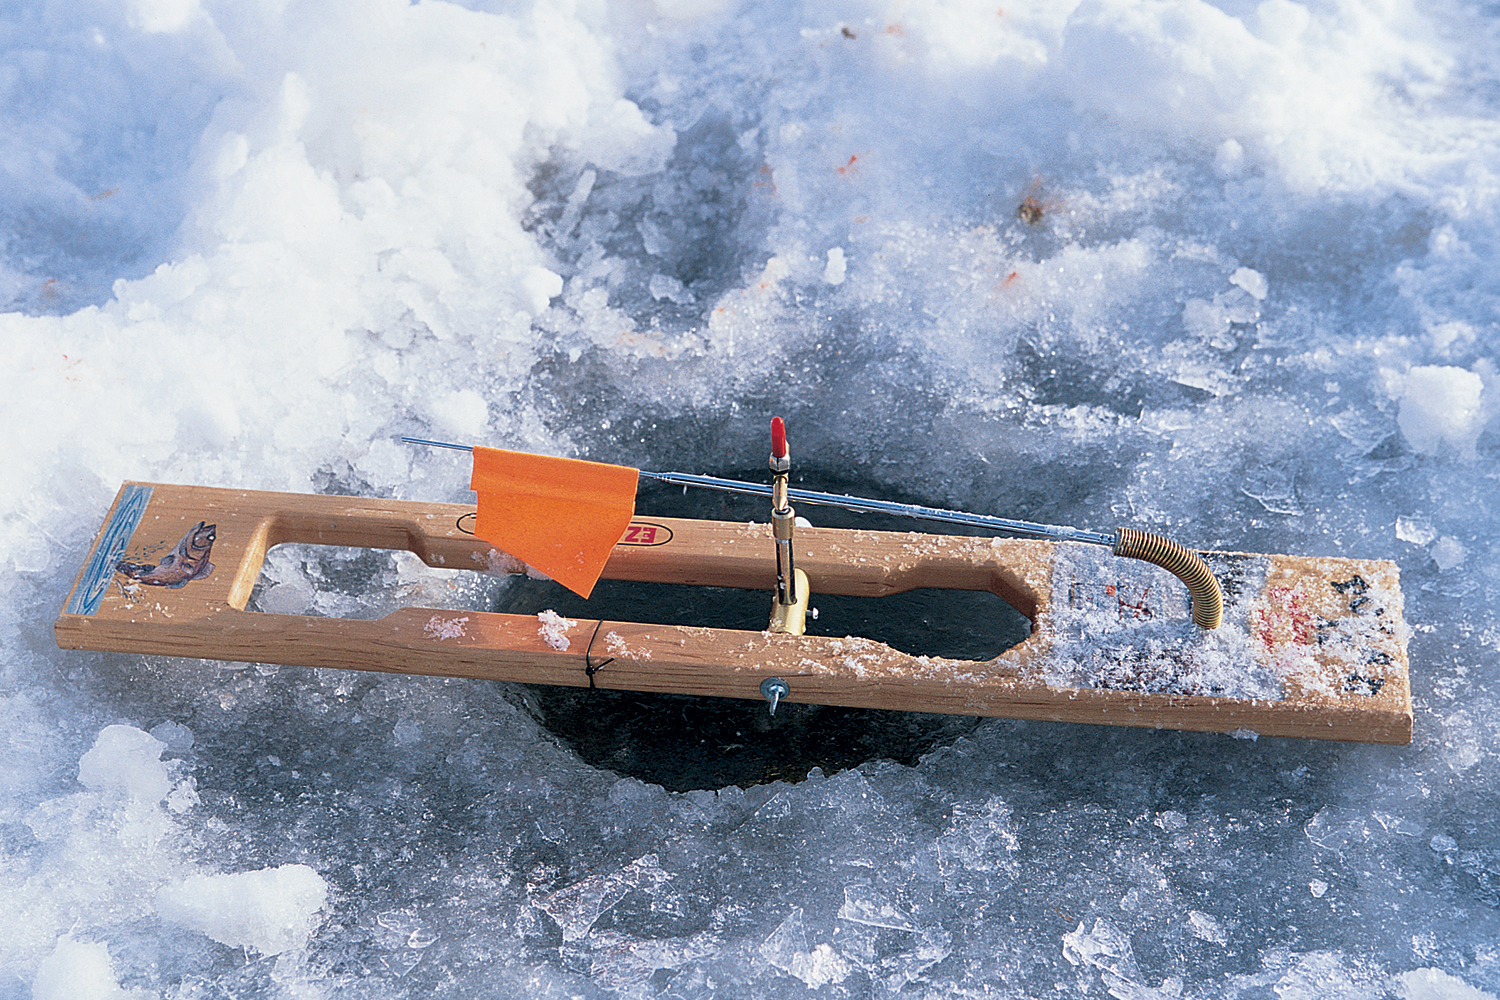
{"x":1206,"y":927}
{"x":1273,"y":488}
{"x":1448,"y":336}
{"x":1208,"y":322}
{"x":271,"y":910}
{"x":76,"y":970}
{"x":289,"y":597}
{"x":1363,"y":430}
{"x":1171,"y":821}
{"x":1106,"y":947}
{"x":407,"y":930}
{"x":1440,"y":409}
{"x":864,"y":905}
{"x":1435,"y":984}
{"x":573,"y":210}
{"x":786,"y":949}
{"x":1323,"y":975}
{"x":464,"y":413}
{"x":980,"y":838}
{"x":211,"y":423}
{"x":1448,"y":552}
{"x":1336,"y":831}
{"x":126,"y":761}
{"x":1211,"y":321}
{"x":621,"y":139}
{"x":540,"y":287}
{"x":617,"y":960}
{"x":175,"y":735}
{"x":1251,"y":281}
{"x":163,"y":16}
{"x":1416,"y":530}
{"x":664,"y":286}
{"x":576,"y":907}
{"x":1122,"y":989}
{"x":836,"y":268}
{"x":406,"y":733}
{"x":787,"y":940}
{"x":1229,"y":158}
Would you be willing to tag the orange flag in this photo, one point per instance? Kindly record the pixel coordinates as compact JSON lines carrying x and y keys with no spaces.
{"x":558,"y":515}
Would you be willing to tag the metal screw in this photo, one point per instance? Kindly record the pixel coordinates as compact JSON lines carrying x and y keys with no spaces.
{"x":773,"y":689}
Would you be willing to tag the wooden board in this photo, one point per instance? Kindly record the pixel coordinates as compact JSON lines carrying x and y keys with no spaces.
{"x":1311,"y":647}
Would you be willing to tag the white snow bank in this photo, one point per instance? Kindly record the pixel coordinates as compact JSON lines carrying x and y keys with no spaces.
{"x":271,"y":910}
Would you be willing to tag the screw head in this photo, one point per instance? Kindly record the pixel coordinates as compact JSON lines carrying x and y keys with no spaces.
{"x":773,"y":689}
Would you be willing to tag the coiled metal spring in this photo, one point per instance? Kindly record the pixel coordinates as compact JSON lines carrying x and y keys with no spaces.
{"x":1186,"y":565}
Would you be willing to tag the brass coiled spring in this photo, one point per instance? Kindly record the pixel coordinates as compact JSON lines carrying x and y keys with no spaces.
{"x":1186,"y":565}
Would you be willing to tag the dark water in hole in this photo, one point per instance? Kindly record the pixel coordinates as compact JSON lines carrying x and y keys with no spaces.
{"x":682,"y":742}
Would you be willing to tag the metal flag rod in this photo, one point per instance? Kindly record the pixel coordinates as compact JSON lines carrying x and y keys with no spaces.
{"x":1185,"y":564}
{"x":865,"y":505}
{"x":437,"y":444}
{"x":1030,"y":529}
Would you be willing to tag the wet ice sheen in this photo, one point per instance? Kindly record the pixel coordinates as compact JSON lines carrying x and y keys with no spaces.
{"x":1250,"y":304}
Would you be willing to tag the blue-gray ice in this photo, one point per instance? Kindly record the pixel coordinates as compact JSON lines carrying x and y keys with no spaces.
{"x":1229,"y":271}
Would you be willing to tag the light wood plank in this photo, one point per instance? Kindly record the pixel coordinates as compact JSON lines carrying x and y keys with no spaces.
{"x":1329,"y":629}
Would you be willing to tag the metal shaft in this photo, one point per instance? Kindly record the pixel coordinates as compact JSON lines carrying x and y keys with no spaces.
{"x":1029,"y":529}
{"x":783,"y":517}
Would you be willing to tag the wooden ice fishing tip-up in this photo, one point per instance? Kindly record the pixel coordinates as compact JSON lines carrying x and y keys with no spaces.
{"x":1167,"y":638}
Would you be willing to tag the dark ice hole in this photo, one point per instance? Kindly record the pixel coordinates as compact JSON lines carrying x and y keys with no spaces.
{"x":682,"y":742}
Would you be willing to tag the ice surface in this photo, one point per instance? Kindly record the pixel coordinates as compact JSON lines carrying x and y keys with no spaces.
{"x":1226,"y":271}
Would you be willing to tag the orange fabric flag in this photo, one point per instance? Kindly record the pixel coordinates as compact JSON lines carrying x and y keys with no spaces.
{"x":561,"y":516}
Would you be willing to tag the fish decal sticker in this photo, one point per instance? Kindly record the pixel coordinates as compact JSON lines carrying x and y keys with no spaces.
{"x":184,"y":564}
